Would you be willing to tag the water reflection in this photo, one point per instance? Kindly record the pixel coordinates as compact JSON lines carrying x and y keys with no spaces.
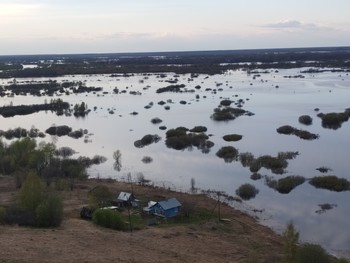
{"x":273,"y":107}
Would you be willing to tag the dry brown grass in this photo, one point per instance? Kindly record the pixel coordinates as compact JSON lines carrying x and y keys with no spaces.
{"x":76,"y":240}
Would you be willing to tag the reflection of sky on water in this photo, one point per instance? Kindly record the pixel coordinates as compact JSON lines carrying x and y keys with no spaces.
{"x":273,"y":107}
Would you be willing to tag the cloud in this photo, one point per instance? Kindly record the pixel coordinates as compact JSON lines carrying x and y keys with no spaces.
{"x":296,"y":25}
{"x":16,"y":9}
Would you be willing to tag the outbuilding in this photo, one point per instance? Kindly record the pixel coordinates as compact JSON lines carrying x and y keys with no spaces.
{"x":167,"y":208}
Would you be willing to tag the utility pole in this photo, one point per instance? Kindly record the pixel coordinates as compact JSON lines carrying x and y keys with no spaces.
{"x":218,"y":193}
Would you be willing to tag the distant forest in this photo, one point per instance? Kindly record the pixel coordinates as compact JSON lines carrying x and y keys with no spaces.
{"x":206,"y":62}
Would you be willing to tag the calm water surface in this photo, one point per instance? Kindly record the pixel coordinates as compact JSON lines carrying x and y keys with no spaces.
{"x":273,"y":107}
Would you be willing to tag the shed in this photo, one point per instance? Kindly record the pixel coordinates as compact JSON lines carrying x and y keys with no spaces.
{"x":167,"y":208}
{"x":126,"y":199}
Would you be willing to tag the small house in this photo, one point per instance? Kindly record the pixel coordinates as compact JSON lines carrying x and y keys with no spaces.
{"x":125,"y":199}
{"x":167,"y":208}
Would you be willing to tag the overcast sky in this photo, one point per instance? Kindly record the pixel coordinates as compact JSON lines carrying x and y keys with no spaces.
{"x":95,"y":26}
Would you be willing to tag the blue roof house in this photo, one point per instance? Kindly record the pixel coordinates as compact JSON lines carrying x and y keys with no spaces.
{"x":168,"y":208}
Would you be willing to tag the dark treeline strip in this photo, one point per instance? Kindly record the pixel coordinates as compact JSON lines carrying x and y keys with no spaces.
{"x":55,"y":105}
{"x":209,"y":62}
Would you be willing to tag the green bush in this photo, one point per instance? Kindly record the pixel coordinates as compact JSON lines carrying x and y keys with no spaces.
{"x":247,"y":191}
{"x":331,"y":182}
{"x":108,"y":218}
{"x":49,"y":212}
{"x":31,"y":192}
{"x":311,"y":253}
{"x":290,"y":240}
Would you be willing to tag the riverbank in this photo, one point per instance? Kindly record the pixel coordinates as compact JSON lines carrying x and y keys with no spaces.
{"x":241,"y":239}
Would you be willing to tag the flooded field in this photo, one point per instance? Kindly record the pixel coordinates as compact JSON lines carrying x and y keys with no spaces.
{"x":123,"y":110}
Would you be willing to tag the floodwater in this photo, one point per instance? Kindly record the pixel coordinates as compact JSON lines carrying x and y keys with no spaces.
{"x":273,"y":107}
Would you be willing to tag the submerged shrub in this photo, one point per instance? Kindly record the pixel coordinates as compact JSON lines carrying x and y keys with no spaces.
{"x":286,"y":129}
{"x":246,"y":159}
{"x":225,"y":102}
{"x":228,"y":153}
{"x":334,"y":120}
{"x":147,"y":159}
{"x":229,"y":113}
{"x":285,"y":185}
{"x":199,"y":129}
{"x":302,"y":134}
{"x":147,"y":140}
{"x":179,"y":139}
{"x":232,"y":137}
{"x":331,"y":182}
{"x":156,"y":120}
{"x":305,"y":119}
{"x":247,"y":191}
{"x":255,"y":176}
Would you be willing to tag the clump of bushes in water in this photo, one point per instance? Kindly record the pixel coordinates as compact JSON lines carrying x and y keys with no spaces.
{"x":171,"y":88}
{"x":232,"y":137}
{"x":108,"y":218}
{"x":156,"y":120}
{"x":334,"y":120}
{"x":147,"y":140}
{"x":180,"y":139}
{"x":56,"y":105}
{"x":228,"y":153}
{"x":331,"y":182}
{"x":21,"y":133}
{"x":147,"y":159}
{"x":229,"y":113}
{"x":256,"y":176}
{"x":225,"y":102}
{"x":323,"y":169}
{"x":277,"y":164}
{"x":305,"y":119}
{"x":59,"y":130}
{"x":305,"y":135}
{"x":64,"y":130}
{"x":198,"y":129}
{"x":285,"y":185}
{"x":80,"y":110}
{"x":247,"y":191}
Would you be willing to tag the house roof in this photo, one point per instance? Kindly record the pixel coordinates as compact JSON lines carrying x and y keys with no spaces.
{"x":124,"y":196}
{"x":170,"y":203}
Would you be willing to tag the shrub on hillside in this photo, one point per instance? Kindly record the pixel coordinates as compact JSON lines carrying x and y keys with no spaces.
{"x":311,"y":253}
{"x":108,"y":218}
{"x":49,"y":212}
